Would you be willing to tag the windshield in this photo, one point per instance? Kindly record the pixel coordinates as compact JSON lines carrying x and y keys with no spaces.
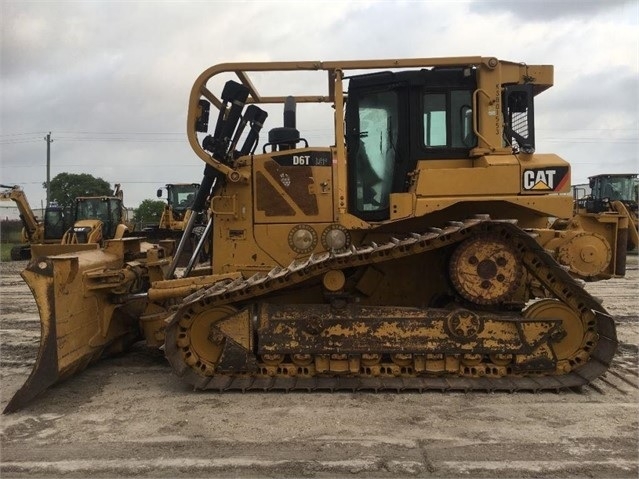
{"x":107,"y":210}
{"x":92,"y":209}
{"x":617,"y":188}
{"x":54,"y":224}
{"x":182,"y":197}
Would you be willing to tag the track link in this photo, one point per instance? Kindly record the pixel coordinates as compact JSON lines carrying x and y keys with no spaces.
{"x":591,"y":362}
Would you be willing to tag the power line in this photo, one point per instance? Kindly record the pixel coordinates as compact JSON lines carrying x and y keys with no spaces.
{"x":127,"y":132}
{"x":586,"y":129}
{"x":592,"y":140}
{"x":12,"y":142}
{"x":124,"y":140}
{"x":121,"y":132}
{"x":130,"y":139}
{"x":23,"y":134}
{"x":68,"y":165}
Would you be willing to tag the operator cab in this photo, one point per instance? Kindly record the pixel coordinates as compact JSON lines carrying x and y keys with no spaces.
{"x":55,"y":222}
{"x":107,"y":210}
{"x":610,"y":187}
{"x":180,"y":197}
{"x":394,"y":120}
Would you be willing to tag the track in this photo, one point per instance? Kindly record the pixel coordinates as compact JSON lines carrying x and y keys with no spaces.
{"x":104,"y":422}
{"x":589,"y":363}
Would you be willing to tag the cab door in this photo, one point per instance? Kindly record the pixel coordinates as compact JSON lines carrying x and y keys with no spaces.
{"x":376,"y":136}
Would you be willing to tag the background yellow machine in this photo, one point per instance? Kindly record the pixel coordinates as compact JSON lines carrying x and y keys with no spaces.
{"x":179,"y":200}
{"x":413,"y":253}
{"x":175,"y":217}
{"x":608,"y":195}
{"x":50,"y":229}
{"x":95,"y":220}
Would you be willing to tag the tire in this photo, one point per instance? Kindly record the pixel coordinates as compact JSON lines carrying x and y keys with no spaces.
{"x":20,"y":253}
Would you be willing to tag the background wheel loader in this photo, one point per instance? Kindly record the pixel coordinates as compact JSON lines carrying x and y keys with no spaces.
{"x":175,"y":216}
{"x":609,"y":195}
{"x":179,"y":201}
{"x":411,"y":254}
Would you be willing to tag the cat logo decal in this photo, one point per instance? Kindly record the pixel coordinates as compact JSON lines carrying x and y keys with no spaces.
{"x":545,"y":179}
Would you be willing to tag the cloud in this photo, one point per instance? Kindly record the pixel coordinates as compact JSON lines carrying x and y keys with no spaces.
{"x":548,"y":10}
{"x":111,"y":80}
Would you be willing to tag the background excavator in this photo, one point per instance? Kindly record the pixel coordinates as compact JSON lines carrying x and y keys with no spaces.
{"x":411,"y":254}
{"x":49,"y":230}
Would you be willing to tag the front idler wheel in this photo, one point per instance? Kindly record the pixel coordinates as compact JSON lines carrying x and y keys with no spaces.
{"x":199,"y":342}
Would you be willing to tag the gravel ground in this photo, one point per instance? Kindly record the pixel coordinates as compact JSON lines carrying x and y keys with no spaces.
{"x":129,"y":416}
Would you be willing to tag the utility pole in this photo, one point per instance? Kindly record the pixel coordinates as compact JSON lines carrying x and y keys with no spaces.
{"x":49,"y":141}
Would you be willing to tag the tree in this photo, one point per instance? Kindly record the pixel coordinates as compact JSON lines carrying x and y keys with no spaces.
{"x":149,"y":211}
{"x":65,"y":187}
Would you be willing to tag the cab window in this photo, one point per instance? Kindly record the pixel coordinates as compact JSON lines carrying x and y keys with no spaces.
{"x":376,"y":150}
{"x":448,"y":120}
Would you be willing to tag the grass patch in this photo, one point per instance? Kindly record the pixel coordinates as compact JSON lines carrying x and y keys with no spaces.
{"x":5,"y":251}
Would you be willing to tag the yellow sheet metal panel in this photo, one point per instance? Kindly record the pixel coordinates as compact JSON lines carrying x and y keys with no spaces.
{"x":402,"y":205}
{"x":530,"y":211}
{"x":500,"y":177}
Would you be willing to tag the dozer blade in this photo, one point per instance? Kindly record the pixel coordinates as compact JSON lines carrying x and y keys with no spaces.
{"x":78,"y":322}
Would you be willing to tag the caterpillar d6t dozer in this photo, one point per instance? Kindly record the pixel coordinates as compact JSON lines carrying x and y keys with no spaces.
{"x":411,"y":254}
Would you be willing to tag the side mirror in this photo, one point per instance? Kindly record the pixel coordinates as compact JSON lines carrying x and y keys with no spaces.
{"x":159,"y":193}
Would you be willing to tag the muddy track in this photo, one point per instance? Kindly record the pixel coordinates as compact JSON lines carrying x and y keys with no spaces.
{"x":538,"y":263}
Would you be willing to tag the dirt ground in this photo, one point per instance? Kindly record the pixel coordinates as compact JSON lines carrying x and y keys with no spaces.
{"x":129,"y":416}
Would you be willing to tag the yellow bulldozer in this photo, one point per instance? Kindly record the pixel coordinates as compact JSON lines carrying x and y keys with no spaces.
{"x":49,"y":230}
{"x":412,"y":253}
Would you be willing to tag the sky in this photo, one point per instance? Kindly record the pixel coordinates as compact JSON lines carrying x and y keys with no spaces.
{"x":110,"y":79}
